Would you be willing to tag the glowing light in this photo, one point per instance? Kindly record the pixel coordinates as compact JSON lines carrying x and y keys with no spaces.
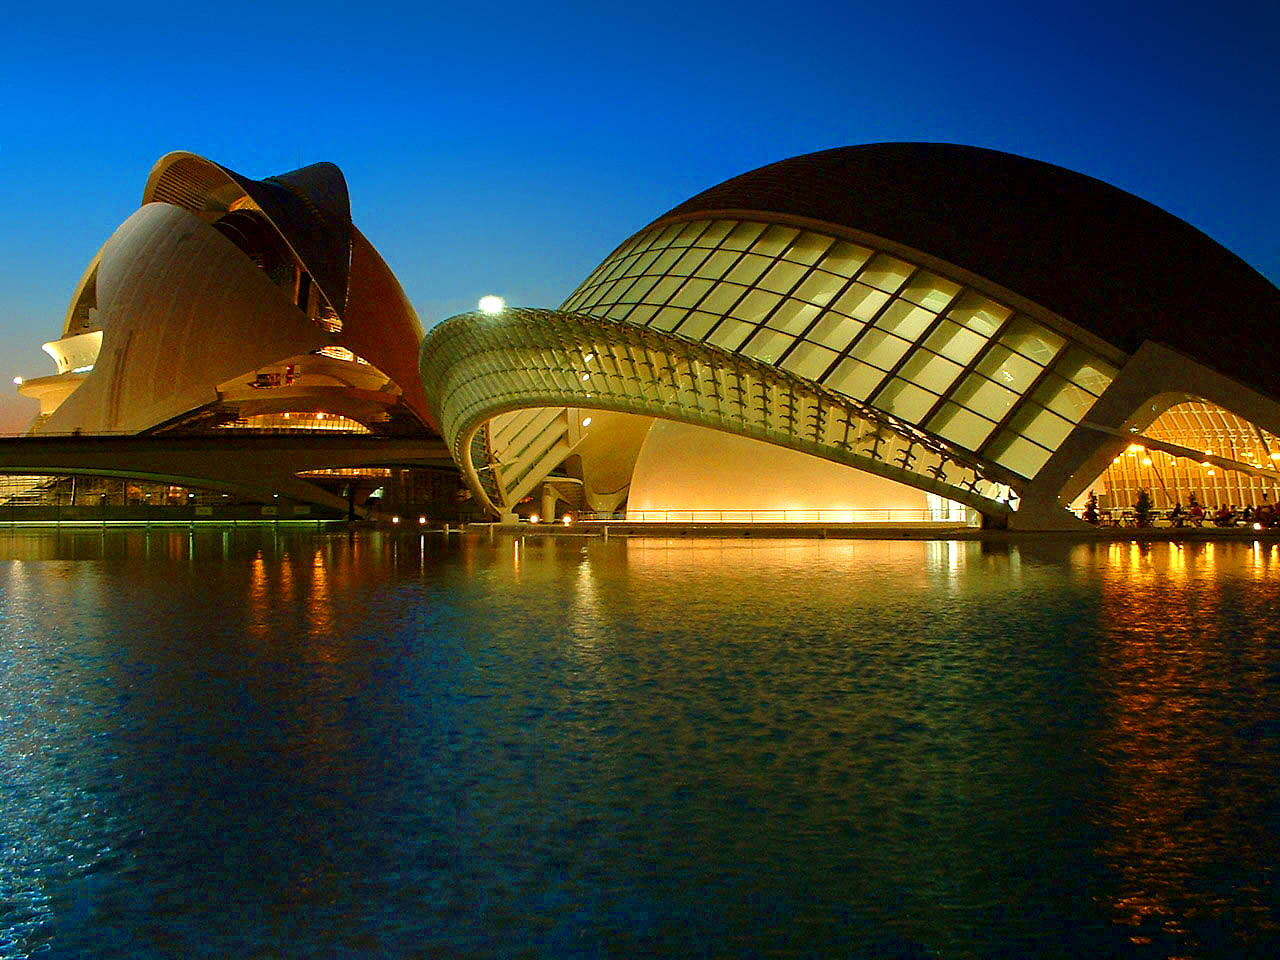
{"x":586,"y":377}
{"x":1212,"y":474}
{"x":1146,"y":461}
{"x":1135,"y":447}
{"x":17,"y":381}
{"x":1275,"y":456}
{"x":567,"y":520}
{"x":534,"y":518}
{"x":1204,"y":463}
{"x":586,"y":421}
{"x":395,"y":519}
{"x":1257,"y":526}
{"x":422,"y":521}
{"x":491,"y":304}
{"x":589,"y":357}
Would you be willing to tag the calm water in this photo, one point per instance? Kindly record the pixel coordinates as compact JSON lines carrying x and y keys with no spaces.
{"x":258,"y":745}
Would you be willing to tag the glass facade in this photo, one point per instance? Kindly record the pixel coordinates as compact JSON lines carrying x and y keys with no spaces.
{"x":862,"y":322}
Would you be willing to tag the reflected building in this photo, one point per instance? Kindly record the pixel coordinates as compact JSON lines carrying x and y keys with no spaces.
{"x":898,"y":327}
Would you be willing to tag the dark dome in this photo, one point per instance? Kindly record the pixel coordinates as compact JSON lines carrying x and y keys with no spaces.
{"x":1111,"y":262}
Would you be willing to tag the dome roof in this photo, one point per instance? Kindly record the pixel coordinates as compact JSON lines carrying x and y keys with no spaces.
{"x":1102,"y":258}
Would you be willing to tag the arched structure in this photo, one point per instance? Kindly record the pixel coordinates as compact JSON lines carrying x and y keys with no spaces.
{"x":1021,"y":320}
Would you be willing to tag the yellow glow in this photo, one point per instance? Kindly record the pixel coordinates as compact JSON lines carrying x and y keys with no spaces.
{"x":18,"y":381}
{"x":1275,"y":456}
{"x":1204,"y":463}
{"x":586,"y":377}
{"x":1211,"y":473}
{"x":422,"y":521}
{"x":395,"y":519}
{"x":1146,"y":461}
{"x":567,"y":519}
{"x":1257,"y":526}
{"x":491,"y":304}
{"x":586,"y":421}
{"x":534,"y":518}
{"x":1136,"y":448}
{"x":589,"y":357}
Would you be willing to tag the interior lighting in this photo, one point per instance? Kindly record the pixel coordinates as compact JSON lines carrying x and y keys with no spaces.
{"x":422,"y":521}
{"x":586,"y":377}
{"x":586,"y":421}
{"x":534,"y":518}
{"x":395,"y":519}
{"x":1275,"y":456}
{"x":567,"y":519}
{"x":1146,"y":461}
{"x":1211,"y":473}
{"x":588,"y":358}
{"x":1257,"y":526}
{"x":491,"y":304}
{"x":1135,"y":447}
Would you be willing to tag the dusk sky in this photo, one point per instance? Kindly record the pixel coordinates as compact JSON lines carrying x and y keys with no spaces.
{"x":508,"y":149}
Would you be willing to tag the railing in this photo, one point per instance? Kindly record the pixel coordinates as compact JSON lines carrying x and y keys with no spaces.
{"x":774,"y":516}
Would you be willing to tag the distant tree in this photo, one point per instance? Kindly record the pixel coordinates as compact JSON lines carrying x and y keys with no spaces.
{"x":1142,"y":508}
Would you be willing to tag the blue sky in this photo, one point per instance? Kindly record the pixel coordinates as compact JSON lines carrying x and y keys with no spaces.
{"x":494,"y":148}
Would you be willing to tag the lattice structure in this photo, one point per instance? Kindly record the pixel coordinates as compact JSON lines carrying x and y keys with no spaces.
{"x":477,"y":367}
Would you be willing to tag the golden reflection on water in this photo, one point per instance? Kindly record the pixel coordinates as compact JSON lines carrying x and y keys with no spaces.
{"x":1173,"y":705}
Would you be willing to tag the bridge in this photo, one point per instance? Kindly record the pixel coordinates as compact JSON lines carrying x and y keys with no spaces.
{"x":252,"y":465}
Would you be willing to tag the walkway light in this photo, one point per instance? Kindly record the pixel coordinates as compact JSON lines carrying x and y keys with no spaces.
{"x":491,"y":304}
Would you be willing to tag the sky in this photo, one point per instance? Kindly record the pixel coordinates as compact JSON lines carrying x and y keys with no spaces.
{"x":507,"y":149}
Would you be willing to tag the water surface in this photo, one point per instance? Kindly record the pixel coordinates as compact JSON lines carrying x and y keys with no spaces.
{"x":258,"y":743}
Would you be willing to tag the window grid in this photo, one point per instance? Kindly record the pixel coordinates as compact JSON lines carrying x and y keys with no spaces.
{"x":857,"y":320}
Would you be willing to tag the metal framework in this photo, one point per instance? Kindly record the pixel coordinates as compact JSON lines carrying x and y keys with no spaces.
{"x":548,"y":364}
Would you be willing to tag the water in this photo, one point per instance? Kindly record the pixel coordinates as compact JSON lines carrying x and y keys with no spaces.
{"x":254,"y":744}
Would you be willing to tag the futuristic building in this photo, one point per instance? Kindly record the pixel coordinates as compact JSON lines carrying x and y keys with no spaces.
{"x":882,"y":326}
{"x":229,"y":304}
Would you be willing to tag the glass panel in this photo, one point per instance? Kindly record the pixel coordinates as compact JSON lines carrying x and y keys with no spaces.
{"x":689,"y":234}
{"x":982,"y":396}
{"x":1093,"y":374}
{"x":691,"y":292}
{"x":854,"y":379}
{"x":666,"y":236}
{"x":715,"y":265}
{"x":979,"y":314}
{"x":860,"y":301}
{"x":696,"y":324}
{"x":845,"y":258}
{"x":730,"y":333}
{"x":1019,"y":455}
{"x":637,"y":291}
{"x":742,"y":236}
{"x":885,"y":272}
{"x":954,"y":342}
{"x":662,"y":263}
{"x":808,"y":248}
{"x":773,"y":240}
{"x":1032,"y":340}
{"x":1036,"y":423}
{"x":794,"y":316}
{"x":961,"y":426}
{"x":689,"y":262}
{"x":644,"y":262}
{"x":1064,"y":397}
{"x":748,"y":269}
{"x":641,"y":314}
{"x":618,"y":312}
{"x":835,"y":331}
{"x":767,"y":345}
{"x":630,"y":290}
{"x":819,"y":287}
{"x":931,"y":291}
{"x":809,"y":360}
{"x":782,"y":276}
{"x":930,"y":371}
{"x":906,"y":320}
{"x":722,"y":297}
{"x":663,"y":289}
{"x":715,"y":233}
{"x":1008,"y":368}
{"x":905,"y":400}
{"x":882,"y":349}
{"x":668,"y":318}
{"x":755,"y":305}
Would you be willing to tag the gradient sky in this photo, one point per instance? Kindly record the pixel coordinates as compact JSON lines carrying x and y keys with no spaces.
{"x":493,"y":148}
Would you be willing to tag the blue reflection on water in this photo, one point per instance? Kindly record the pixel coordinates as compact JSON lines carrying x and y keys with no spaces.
{"x":296,"y":744}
